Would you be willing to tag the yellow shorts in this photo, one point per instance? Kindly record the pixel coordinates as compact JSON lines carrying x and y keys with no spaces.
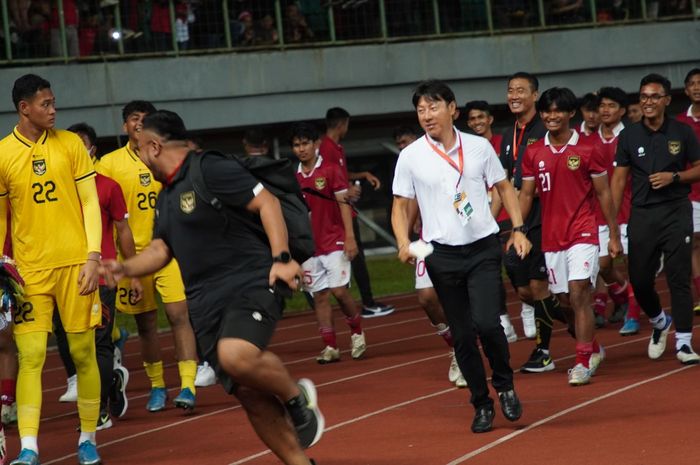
{"x":168,"y":283}
{"x":56,"y":288}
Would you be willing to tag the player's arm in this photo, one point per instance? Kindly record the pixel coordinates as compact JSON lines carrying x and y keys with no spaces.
{"x":367,"y":176}
{"x":617,"y":186}
{"x":267,"y":206}
{"x":350,"y":248}
{"x":401,"y":224}
{"x":514,"y":207}
{"x":4,"y":207}
{"x":88,"y":279}
{"x":527,"y":194}
{"x":127,"y":246}
{"x":602,"y":190}
{"x":151,"y":259}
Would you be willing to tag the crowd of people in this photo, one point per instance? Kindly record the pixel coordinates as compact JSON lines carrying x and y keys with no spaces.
{"x":552,"y":202}
{"x":94,"y":27}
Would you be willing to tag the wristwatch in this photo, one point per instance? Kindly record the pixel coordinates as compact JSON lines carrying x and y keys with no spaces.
{"x":521,"y":229}
{"x":676,"y":177}
{"x":284,"y":257}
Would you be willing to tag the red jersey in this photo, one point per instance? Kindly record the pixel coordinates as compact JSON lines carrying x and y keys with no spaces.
{"x":112,"y":208}
{"x":496,"y":140}
{"x":70,"y":14}
{"x":563,"y":177}
{"x":694,"y":123}
{"x":609,"y":147}
{"x":326,"y":222}
{"x":334,"y":153}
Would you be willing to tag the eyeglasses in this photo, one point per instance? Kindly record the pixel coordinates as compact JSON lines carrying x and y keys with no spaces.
{"x":654,"y":98}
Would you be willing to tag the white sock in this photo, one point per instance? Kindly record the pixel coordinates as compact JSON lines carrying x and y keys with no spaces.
{"x":29,"y":442}
{"x":659,"y":321}
{"x":87,"y":437}
{"x":683,"y":339}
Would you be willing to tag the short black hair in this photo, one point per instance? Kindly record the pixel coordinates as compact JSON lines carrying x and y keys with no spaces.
{"x":84,"y":128}
{"x":405,"y":131}
{"x":615,"y":94}
{"x":690,"y":75}
{"x":303,"y":131}
{"x":531,"y":78}
{"x":589,"y":101}
{"x":562,"y":97}
{"x":26,"y":86}
{"x":255,"y":137}
{"x":137,"y":106}
{"x":655,"y":78}
{"x":166,"y":124}
{"x":336,"y":116}
{"x":481,"y":105}
{"x":433,"y":90}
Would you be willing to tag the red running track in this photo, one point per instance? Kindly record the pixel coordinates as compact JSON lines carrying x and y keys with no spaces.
{"x":397,"y":407}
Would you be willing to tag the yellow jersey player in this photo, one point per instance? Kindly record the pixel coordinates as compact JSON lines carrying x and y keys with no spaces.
{"x":141,"y":191}
{"x":47,"y":179}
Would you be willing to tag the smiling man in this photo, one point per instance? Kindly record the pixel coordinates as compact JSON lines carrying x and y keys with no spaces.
{"x":657,"y":152}
{"x":448,"y":173}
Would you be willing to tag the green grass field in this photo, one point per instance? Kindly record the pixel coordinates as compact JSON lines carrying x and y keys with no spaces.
{"x":388,"y":275}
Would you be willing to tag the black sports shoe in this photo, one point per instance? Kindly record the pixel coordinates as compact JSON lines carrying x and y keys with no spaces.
{"x":118,"y":402}
{"x":510,"y":405}
{"x":104,"y":421}
{"x":618,"y":313}
{"x":377,"y":309}
{"x":307,"y":418}
{"x":538,"y":362}
{"x":483,"y":419}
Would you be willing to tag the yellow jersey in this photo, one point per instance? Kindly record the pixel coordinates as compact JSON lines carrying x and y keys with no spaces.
{"x":40,"y":178}
{"x":139,"y":187}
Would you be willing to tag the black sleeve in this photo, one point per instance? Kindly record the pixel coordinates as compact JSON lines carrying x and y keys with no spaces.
{"x":622,"y":156}
{"x":229,"y":181}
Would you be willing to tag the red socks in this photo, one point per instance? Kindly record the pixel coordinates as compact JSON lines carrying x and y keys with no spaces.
{"x":7,"y":391}
{"x":618,"y":293}
{"x":355,"y":324}
{"x":600,"y":301}
{"x":696,"y":282}
{"x":633,"y":309}
{"x":328,"y":336}
{"x":583,"y":352}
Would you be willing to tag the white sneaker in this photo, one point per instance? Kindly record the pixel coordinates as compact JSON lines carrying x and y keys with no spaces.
{"x":579,"y":375}
{"x":71,"y":394}
{"x":117,"y":358}
{"x":657,"y":342}
{"x":328,"y":355}
{"x":508,"y":329}
{"x":595,"y":360}
{"x":358,"y":345}
{"x":527,"y":315}
{"x":454,"y":373}
{"x":461,"y":382}
{"x":205,"y":375}
{"x":9,"y":414}
{"x":687,"y":356}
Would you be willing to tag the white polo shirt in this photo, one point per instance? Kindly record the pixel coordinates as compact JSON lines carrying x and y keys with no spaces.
{"x":421,"y":173}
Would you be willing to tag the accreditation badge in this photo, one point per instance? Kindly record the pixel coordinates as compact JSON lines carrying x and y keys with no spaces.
{"x":463,"y":207}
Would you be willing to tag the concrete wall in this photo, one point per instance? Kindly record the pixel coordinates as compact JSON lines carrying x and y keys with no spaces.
{"x":233,"y":90}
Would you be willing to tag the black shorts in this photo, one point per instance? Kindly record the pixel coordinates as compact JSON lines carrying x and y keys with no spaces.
{"x":251,"y":316}
{"x":520,"y":272}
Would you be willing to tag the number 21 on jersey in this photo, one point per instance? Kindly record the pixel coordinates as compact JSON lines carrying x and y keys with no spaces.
{"x":545,"y":181}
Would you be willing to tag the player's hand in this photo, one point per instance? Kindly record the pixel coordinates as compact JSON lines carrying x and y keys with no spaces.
{"x":662,"y":179}
{"x":112,"y":271}
{"x":89,"y":277}
{"x":373,"y":180}
{"x":521,"y":244}
{"x":291,"y":273}
{"x":354,"y":193}
{"x":615,"y":246}
{"x":136,"y":290}
{"x":350,"y":248}
{"x":405,"y":255}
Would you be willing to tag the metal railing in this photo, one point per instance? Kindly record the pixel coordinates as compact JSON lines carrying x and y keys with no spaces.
{"x":75,"y":30}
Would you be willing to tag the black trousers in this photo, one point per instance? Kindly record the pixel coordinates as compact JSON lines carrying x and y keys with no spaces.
{"x":103,"y":344}
{"x":468,"y":283}
{"x":359,"y":268}
{"x":664,"y":228}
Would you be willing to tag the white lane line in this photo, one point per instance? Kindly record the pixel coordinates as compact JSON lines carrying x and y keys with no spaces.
{"x":541,"y":422}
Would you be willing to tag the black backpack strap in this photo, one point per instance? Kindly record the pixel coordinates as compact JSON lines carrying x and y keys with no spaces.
{"x":198,"y":182}
{"x":309,"y":190}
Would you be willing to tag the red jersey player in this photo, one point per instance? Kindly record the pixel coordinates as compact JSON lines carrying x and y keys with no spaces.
{"x":566,"y":172}
{"x":328,"y":271}
{"x":692,"y":118}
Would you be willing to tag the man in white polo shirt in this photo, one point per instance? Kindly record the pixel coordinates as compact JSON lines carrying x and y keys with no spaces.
{"x":448,"y":172}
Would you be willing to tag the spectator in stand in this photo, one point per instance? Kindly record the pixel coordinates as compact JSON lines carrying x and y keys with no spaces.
{"x":70,"y":19}
{"x":565,"y":11}
{"x":183,"y":18}
{"x":296,"y":29}
{"x":246,"y":31}
{"x":266,"y":33}
{"x":19,"y":13}
{"x":161,"y":32}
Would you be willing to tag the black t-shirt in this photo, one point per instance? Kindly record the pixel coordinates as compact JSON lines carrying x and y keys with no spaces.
{"x":513,"y":148}
{"x":216,"y":252}
{"x":646,"y":152}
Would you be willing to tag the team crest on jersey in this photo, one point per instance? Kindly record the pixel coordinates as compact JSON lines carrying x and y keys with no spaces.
{"x":320,"y":183}
{"x":145,"y":179}
{"x":531,"y":141}
{"x":39,"y":167}
{"x":187,"y":202}
{"x":674,"y":147}
{"x":573,"y":162}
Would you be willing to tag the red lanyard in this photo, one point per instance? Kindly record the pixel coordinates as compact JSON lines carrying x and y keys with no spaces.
{"x":459,"y":168}
{"x":516,"y":146}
